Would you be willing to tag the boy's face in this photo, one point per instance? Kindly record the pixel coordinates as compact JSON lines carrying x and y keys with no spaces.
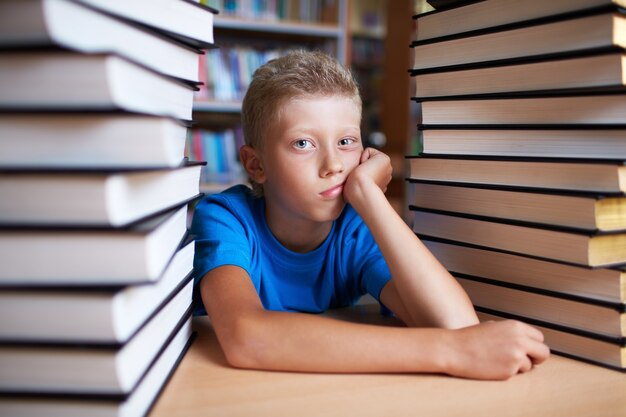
{"x":307,"y":157}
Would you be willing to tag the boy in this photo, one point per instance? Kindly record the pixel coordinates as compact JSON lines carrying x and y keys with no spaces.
{"x":316,"y":233}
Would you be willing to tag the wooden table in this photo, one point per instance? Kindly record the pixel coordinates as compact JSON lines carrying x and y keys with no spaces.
{"x":204,"y":385}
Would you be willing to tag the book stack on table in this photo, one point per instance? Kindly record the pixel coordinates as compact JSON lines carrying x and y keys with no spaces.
{"x":519,"y":190}
{"x":96,"y":278}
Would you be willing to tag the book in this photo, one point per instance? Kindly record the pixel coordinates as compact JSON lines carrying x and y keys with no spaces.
{"x":444,"y":4}
{"x":186,"y":20}
{"x":75,"y":26}
{"x":578,"y":314}
{"x":494,"y":13}
{"x":604,"y":284}
{"x":93,"y":198}
{"x":69,"y":81}
{"x":575,"y":110}
{"x":598,"y":143}
{"x":599,"y":71}
{"x":65,"y":368}
{"x":136,"y":403}
{"x":89,"y":315}
{"x":559,"y":244}
{"x":560,"y":38}
{"x":586,"y":211}
{"x":595,"y":349}
{"x":90,"y":140}
{"x":220,"y":151}
{"x":562,"y":174}
{"x":109,"y":256}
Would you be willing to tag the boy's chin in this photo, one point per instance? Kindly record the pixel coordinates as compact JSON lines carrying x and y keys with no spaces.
{"x":334,"y":213}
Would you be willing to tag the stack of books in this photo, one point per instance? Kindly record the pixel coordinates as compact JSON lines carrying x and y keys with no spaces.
{"x":95,"y":282}
{"x":519,"y":190}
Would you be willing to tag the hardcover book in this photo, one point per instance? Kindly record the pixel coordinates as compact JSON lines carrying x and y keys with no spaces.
{"x":598,"y":71}
{"x":586,"y":211}
{"x":603,"y":284}
{"x":564,"y":142}
{"x":69,"y":81}
{"x":113,"y":198}
{"x":493,"y":13}
{"x":582,"y":111}
{"x":137,"y":253}
{"x":76,"y":26}
{"x":90,"y":140}
{"x":550,"y":243}
{"x":561,"y":174}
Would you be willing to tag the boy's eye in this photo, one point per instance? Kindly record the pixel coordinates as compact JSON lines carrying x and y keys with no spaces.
{"x":302,"y":144}
{"x":346,"y":141}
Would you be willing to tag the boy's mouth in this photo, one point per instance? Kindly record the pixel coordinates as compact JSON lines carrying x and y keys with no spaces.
{"x":333,"y":191}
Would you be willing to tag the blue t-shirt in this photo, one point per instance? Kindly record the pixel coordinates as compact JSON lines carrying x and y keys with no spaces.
{"x":230,"y":229}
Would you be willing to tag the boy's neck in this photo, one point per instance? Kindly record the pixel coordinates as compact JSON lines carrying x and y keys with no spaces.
{"x":298,"y":236}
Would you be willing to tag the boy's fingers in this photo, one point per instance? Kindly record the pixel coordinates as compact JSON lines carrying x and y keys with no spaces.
{"x":538,"y":352}
{"x":535,"y":333}
{"x":366,"y":154}
{"x":528,"y":330}
{"x":526,"y":365}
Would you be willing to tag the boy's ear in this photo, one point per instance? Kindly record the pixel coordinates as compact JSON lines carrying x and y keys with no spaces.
{"x":251,"y":161}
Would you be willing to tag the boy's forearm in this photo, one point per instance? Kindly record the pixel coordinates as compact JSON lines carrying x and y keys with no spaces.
{"x":311,"y":343}
{"x":423,"y":283}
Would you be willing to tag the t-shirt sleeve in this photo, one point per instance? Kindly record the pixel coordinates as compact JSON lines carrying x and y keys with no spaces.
{"x":220,"y":237}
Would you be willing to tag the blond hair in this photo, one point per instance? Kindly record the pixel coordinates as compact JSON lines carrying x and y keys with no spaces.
{"x":295,"y":75}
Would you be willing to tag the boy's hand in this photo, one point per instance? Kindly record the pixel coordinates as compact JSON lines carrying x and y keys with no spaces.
{"x":374,"y":169}
{"x":495,"y":350}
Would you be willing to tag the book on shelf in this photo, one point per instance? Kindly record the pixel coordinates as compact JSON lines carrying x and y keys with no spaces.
{"x":565,"y":37}
{"x":573,"y":246}
{"x":66,"y":81}
{"x":585,"y":72}
{"x":587,"y":211}
{"x":598,"y":350}
{"x":186,"y":20}
{"x":98,"y":255}
{"x":90,"y":140}
{"x":576,"y":110}
{"x":84,"y":314}
{"x":67,"y":368}
{"x":136,"y":403}
{"x":564,"y":142}
{"x":220,"y":151}
{"x":306,"y":11}
{"x":600,"y":176}
{"x":446,"y":4}
{"x":81,"y":28}
{"x":586,"y":315}
{"x":479,"y":15}
{"x":603,"y":284}
{"x":95,"y":197}
{"x":227,"y":71}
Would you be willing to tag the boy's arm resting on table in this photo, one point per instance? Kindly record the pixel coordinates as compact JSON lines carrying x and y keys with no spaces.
{"x":255,"y":338}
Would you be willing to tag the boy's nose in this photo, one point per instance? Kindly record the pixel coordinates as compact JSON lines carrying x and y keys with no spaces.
{"x":331,"y":164}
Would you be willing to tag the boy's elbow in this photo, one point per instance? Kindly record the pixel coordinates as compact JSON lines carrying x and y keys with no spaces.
{"x":244,"y":346}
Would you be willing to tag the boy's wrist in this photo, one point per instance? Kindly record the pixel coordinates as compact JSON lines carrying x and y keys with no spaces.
{"x":361,"y":194}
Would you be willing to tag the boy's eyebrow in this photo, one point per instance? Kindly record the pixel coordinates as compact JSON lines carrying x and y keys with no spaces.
{"x":313,"y":129}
